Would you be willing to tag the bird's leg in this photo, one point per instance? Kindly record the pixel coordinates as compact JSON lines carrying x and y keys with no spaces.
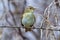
{"x":28,"y":29}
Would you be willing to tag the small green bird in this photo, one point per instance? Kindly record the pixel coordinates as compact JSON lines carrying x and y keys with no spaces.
{"x":28,"y":18}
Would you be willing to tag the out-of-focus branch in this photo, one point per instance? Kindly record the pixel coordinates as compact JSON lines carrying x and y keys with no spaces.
{"x":16,"y":11}
{"x":7,"y":20}
{"x":4,"y":11}
{"x":57,"y":3}
{"x":11,"y":13}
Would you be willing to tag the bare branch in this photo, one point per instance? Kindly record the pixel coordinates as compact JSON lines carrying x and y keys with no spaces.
{"x":11,"y":13}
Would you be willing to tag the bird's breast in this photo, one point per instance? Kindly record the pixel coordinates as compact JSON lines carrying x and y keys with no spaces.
{"x":28,"y":20}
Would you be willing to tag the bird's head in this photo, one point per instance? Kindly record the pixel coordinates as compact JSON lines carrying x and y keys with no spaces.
{"x":29,"y":9}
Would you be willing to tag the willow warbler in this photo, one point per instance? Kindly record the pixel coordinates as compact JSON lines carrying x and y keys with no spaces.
{"x":28,"y":18}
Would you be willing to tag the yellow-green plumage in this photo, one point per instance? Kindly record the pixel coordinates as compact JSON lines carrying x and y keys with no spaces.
{"x":28,"y":18}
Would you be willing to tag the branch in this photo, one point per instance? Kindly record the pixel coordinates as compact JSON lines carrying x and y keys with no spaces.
{"x":57,"y":28}
{"x":11,"y":13}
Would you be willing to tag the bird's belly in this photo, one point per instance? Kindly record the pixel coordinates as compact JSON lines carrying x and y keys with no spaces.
{"x":27,"y":21}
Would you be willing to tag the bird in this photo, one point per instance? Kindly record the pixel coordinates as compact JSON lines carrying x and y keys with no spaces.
{"x":28,"y":18}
